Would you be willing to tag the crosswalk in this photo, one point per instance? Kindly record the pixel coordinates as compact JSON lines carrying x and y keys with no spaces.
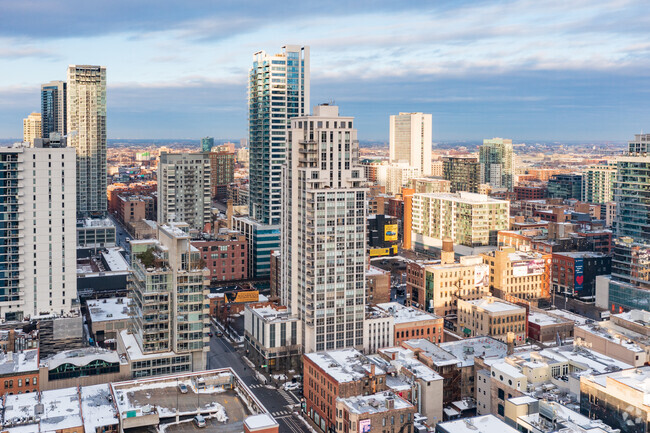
{"x":286,"y":396}
{"x":280,"y":413}
{"x":255,"y":386}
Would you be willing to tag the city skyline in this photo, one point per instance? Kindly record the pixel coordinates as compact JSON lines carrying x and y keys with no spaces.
{"x":518,"y":69}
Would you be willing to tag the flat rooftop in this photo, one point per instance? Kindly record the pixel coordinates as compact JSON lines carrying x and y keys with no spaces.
{"x":95,"y":223}
{"x":493,"y":305}
{"x":463,"y":197}
{"x":115,"y":260}
{"x":635,"y":378}
{"x":403,"y":314}
{"x":485,"y":347}
{"x":108,"y":309}
{"x":542,"y":319}
{"x":346,"y":365}
{"x":478,"y":424}
{"x":374,"y":403}
{"x":97,"y":407}
{"x":18,"y":362}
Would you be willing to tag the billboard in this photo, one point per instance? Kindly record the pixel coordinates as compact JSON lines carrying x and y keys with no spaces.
{"x":578,"y":272}
{"x":364,"y":426}
{"x":531,"y":267}
{"x":243,"y":296}
{"x":390,"y":232}
{"x":482,"y":275}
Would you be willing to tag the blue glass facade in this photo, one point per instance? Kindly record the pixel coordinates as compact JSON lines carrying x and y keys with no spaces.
{"x":9,"y":232}
{"x":53,"y":108}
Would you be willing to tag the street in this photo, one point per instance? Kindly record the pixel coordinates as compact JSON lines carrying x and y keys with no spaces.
{"x":277,"y":401}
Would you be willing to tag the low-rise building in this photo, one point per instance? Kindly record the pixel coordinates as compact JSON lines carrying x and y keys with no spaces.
{"x":19,"y":372}
{"x":377,"y":285}
{"x":373,"y":412}
{"x":411,"y":322}
{"x":425,"y":386}
{"x":574,"y":273}
{"x":328,"y":376}
{"x":492,"y":317}
{"x":478,"y":424}
{"x":545,"y":327}
{"x":626,"y":337}
{"x":107,"y":317}
{"x":273,"y":337}
{"x":517,"y":274}
{"x":85,"y":366}
{"x":95,"y":233}
{"x":225,"y":254}
{"x":620,"y":398}
{"x":378,"y":330}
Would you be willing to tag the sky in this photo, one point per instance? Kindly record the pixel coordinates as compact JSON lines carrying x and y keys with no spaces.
{"x":522,"y":69}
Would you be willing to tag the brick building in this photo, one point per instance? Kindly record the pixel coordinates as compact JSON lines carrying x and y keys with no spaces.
{"x":383,"y":411}
{"x":377,"y":285}
{"x":337,"y":374}
{"x":528,"y":192}
{"x":574,"y":273}
{"x":222,"y":172}
{"x":411,"y":322}
{"x":225,"y":255}
{"x":19,"y":372}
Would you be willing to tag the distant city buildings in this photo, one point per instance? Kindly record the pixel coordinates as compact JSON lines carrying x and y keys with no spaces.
{"x":54,"y":107}
{"x":497,"y":161}
{"x":565,"y":186}
{"x":396,"y":176}
{"x":598,"y":183}
{"x":207,"y":143}
{"x":184,"y":189}
{"x":324,"y":230}
{"x":463,"y":173}
{"x":86,"y":123}
{"x":410,"y":141}
{"x":222,"y":172}
{"x":32,"y":128}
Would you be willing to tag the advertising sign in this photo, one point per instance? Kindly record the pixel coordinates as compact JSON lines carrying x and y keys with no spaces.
{"x":243,"y":296}
{"x":578,"y":273}
{"x":364,"y":426}
{"x":531,"y":267}
{"x":482,"y":275}
{"x":390,"y":232}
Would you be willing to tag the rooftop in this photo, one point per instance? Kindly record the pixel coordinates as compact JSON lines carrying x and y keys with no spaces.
{"x":95,"y":222}
{"x":578,"y":319}
{"x":403,"y":314}
{"x":374,"y":403}
{"x":104,"y":310}
{"x":494,"y":305}
{"x":272,"y":313}
{"x":581,"y":254}
{"x":115,"y":260}
{"x":97,"y":407}
{"x":261,"y":421}
{"x":635,"y":378}
{"x":80,"y":357}
{"x":19,"y":362}
{"x":346,"y":365}
{"x":542,"y":319}
{"x":478,"y":424}
{"x":467,"y":349}
{"x":463,"y":197}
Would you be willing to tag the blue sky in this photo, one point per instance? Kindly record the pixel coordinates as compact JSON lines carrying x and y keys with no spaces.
{"x":529,"y":70}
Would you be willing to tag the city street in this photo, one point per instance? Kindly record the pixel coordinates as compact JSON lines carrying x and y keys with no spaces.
{"x":277,"y":401}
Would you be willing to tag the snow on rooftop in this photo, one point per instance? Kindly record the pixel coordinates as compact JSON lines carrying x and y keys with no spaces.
{"x":578,"y":319}
{"x":485,"y":347}
{"x":61,"y":409}
{"x":104,"y":310}
{"x":374,"y":403}
{"x":19,"y":362}
{"x":261,"y":421}
{"x":97,"y":407}
{"x":462,"y":197}
{"x":478,"y":424}
{"x":403,"y":314}
{"x":115,"y":260}
{"x":133,"y":349}
{"x":493,"y":305}
{"x":508,"y":369}
{"x":374,"y":271}
{"x":345,"y":365}
{"x":542,"y":319}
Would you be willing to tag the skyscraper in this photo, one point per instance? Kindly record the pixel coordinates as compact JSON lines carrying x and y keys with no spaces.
{"x":184,"y":193}
{"x":463,"y":173}
{"x":278,"y":90}
{"x":86,"y":100}
{"x":631,"y":191}
{"x":598,"y":183}
{"x":497,"y":161}
{"x":324,"y":230}
{"x":410,"y":140}
{"x":38,"y":261}
{"x":207,"y":143}
{"x":32,"y":127}
{"x":54,"y":107}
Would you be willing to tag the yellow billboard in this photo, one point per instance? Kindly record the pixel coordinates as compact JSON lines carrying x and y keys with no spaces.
{"x":379,"y":252}
{"x":243,"y":296}
{"x":390,"y":232}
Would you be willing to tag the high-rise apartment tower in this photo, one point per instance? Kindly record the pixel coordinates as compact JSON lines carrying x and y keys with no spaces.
{"x":324,"y":230}
{"x":54,"y":108}
{"x":497,"y":161}
{"x":86,"y":100}
{"x":278,"y":90}
{"x":410,"y":140}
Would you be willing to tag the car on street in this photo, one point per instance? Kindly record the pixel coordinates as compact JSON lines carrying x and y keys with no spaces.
{"x":219,"y":334}
{"x":199,"y":421}
{"x":210,"y":334}
{"x":182,"y":388}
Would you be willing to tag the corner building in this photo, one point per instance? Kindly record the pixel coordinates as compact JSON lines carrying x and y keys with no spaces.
{"x":324,"y":230}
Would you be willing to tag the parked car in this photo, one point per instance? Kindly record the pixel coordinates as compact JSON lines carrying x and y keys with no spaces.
{"x":219,"y":334}
{"x":182,"y":388}
{"x":199,"y":421}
